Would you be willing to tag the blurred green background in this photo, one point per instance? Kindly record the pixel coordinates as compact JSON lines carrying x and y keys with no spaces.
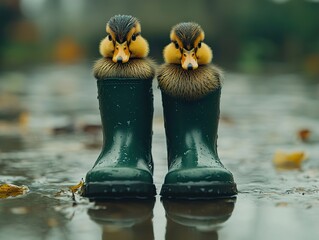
{"x":247,"y":36}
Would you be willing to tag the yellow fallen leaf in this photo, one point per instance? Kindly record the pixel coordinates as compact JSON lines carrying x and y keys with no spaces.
{"x":10,"y":190}
{"x":75,"y":188}
{"x":288,"y":161}
{"x":282,"y":204}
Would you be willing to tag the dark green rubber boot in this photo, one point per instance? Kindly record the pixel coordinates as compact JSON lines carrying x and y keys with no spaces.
{"x":195,"y":170}
{"x":124,"y":168}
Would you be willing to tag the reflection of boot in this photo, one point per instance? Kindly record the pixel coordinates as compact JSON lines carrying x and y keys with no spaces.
{"x":124,"y":220}
{"x":124,"y":167}
{"x":196,"y":219}
{"x":195,"y":170}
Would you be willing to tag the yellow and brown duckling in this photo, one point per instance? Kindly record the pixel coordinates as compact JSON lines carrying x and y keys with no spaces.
{"x":187,"y":71}
{"x":124,"y":50}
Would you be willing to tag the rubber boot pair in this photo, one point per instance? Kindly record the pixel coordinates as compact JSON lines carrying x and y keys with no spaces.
{"x":124,"y":168}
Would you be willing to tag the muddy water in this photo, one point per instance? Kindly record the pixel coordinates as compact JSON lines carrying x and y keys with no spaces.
{"x":60,"y":140}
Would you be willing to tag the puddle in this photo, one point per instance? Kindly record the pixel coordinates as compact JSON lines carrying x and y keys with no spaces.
{"x":258,"y":117}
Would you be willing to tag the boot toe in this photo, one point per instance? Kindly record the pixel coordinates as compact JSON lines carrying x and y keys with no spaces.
{"x":199,"y":183}
{"x":197,"y":175}
{"x":121,"y":182}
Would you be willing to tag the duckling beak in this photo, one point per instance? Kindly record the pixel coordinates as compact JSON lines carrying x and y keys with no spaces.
{"x":189,"y":60}
{"x":121,"y":53}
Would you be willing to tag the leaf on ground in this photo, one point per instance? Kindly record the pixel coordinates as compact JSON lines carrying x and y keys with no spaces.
{"x":304,"y":134}
{"x":77,"y":187}
{"x":288,"y":161}
{"x":281,"y":204}
{"x":10,"y":190}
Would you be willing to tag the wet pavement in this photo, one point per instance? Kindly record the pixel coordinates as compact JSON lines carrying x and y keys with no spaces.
{"x":50,"y":138}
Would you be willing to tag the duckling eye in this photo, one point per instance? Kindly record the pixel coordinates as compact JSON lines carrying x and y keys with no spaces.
{"x":176,"y":45}
{"x":109,"y":37}
{"x":133,"y":37}
{"x":199,"y":45}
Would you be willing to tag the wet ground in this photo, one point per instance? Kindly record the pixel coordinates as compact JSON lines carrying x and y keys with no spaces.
{"x":50,"y":138}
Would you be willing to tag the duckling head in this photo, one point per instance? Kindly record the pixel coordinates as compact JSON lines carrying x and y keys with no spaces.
{"x":187,"y":47}
{"x":123,"y":40}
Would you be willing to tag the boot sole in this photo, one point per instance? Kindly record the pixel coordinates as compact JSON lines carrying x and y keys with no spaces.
{"x":203,"y":190}
{"x":119,"y":190}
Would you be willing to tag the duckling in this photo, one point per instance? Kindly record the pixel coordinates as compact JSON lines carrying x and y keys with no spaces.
{"x":187,"y":71}
{"x":187,"y":47}
{"x":124,"y":50}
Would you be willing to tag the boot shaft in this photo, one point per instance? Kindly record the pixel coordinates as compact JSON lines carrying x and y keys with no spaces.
{"x":126,"y":108}
{"x":188,"y":124}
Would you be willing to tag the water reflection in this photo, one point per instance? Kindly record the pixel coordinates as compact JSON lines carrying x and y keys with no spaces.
{"x":32,"y":216}
{"x":198,"y":219}
{"x":124,"y":219}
